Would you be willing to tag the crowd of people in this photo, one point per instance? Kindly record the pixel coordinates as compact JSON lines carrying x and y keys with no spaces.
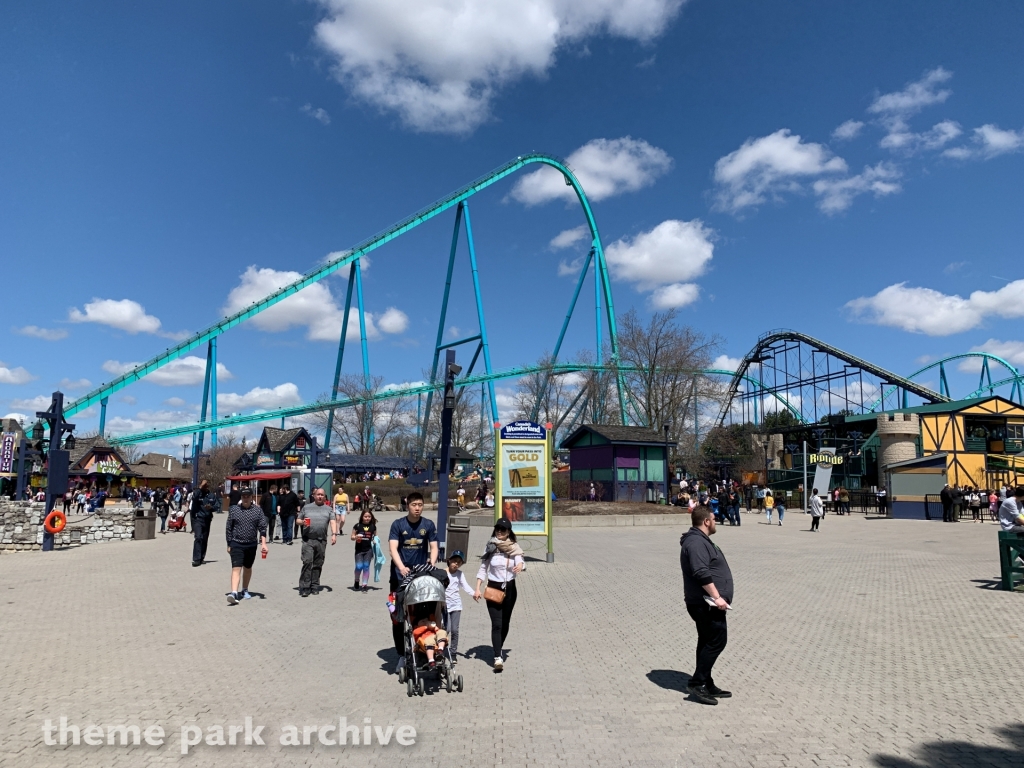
{"x":957,"y":500}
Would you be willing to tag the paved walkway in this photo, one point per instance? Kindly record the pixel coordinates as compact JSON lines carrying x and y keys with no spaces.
{"x":873,"y":642}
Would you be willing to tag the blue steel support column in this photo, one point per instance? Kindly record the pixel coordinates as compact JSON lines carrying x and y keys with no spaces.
{"x":341,"y":354}
{"x":213,"y":390}
{"x":206,"y":398}
{"x":598,"y":377}
{"x":943,"y":384}
{"x":103,"y":415}
{"x":368,"y":407}
{"x":440,"y":327}
{"x":480,"y":311}
{"x":561,"y":335}
{"x":613,"y":331}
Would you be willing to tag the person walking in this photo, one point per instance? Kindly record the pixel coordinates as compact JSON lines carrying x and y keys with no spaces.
{"x":974,"y":502}
{"x":245,"y":530}
{"x":362,"y":534}
{"x":501,"y":563}
{"x":453,"y":599}
{"x":780,"y":508}
{"x":817,"y":510}
{"x":268,"y":503}
{"x":844,"y":501}
{"x":160,"y":503}
{"x":341,"y":507}
{"x":317,"y":519}
{"x":204,"y":504}
{"x":411,"y":541}
{"x":769,"y":504}
{"x":707,"y":594}
{"x":288,"y":508}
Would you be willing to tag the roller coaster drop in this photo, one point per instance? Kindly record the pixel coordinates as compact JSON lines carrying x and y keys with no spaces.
{"x":784,"y":370}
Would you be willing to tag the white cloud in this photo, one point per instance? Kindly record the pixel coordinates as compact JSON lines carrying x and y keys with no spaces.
{"x":124,"y":314}
{"x":837,"y":194}
{"x":902,"y":139}
{"x":32,"y":404}
{"x":175,"y":402}
{"x":438,"y":64}
{"x":73,"y":384}
{"x":393,"y":320}
{"x":767,"y":167}
{"x":726,"y":363}
{"x":569,"y":237}
{"x":402,"y":385}
{"x":604,"y":167}
{"x":263,"y":398}
{"x":674,"y":296}
{"x":924,"y":310}
{"x":672,"y":252}
{"x":46,"y":334}
{"x":848,"y":130}
{"x":129,"y":399}
{"x":454,"y":332}
{"x":313,"y":307}
{"x":319,"y":114}
{"x":915,"y":96}
{"x":989,"y":141}
{"x":21,"y":418}
{"x":184,"y":371}
{"x":14,"y":375}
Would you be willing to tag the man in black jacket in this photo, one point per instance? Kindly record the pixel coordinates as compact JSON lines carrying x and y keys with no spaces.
{"x":946,"y":497}
{"x":288,"y":505}
{"x":706,"y":576}
{"x":204,"y":503}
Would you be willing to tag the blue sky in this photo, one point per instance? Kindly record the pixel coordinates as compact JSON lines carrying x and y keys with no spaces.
{"x":850,"y":171}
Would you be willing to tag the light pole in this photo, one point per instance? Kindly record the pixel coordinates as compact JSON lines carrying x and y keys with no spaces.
{"x":668,"y":483}
{"x":451,"y":371}
{"x":57,"y":458}
{"x":184,"y":454}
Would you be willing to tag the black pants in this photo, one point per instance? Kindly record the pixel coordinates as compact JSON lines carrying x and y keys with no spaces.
{"x":313,"y":551}
{"x":501,"y":615}
{"x":947,"y":512}
{"x":712,"y":635}
{"x":814,"y":522}
{"x":201,"y":530}
{"x":397,"y":632}
{"x":271,"y":519}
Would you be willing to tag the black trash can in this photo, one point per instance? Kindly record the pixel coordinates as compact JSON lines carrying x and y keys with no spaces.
{"x":458,"y":534}
{"x":145,"y":524}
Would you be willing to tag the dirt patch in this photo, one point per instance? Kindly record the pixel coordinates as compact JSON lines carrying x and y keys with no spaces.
{"x":588,"y":508}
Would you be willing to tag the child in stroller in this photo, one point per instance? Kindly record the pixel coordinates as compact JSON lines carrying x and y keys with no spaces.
{"x":422,"y":605}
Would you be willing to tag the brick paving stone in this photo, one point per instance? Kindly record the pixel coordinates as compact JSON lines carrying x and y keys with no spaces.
{"x":871,"y":643}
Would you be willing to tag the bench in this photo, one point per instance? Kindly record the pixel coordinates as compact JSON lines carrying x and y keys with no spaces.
{"x":1011,"y":546}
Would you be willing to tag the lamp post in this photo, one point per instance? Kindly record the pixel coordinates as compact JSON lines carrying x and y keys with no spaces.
{"x":56,"y":458}
{"x":668,"y":482}
{"x":451,"y":371}
{"x":184,"y":454}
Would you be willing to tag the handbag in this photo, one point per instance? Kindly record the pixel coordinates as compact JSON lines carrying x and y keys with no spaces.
{"x":493,"y":594}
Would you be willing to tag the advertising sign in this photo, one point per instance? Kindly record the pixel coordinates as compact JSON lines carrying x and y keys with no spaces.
{"x":265,"y":460}
{"x":7,"y":452}
{"x":824,"y":460}
{"x":523,"y":478}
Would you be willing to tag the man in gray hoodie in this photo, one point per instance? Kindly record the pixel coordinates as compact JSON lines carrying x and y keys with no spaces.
{"x":706,"y":576}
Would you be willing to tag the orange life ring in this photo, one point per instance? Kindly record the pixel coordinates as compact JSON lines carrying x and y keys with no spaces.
{"x":55,"y":522}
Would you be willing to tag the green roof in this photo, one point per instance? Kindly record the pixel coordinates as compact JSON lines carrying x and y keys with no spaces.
{"x":953,"y":405}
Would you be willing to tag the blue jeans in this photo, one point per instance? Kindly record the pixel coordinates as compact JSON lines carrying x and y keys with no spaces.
{"x":287,"y":528}
{"x":781,"y":510}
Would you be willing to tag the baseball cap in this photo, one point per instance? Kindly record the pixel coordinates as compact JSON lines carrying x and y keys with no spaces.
{"x":246,"y":490}
{"x":503,"y":522}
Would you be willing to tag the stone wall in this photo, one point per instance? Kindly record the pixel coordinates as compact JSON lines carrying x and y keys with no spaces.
{"x":21,"y":527}
{"x":897,"y":438}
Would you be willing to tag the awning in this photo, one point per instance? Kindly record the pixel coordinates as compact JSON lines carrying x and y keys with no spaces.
{"x":261,"y":476}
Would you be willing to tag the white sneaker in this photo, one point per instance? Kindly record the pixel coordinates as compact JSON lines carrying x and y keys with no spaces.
{"x":498,"y":665}
{"x":246,"y":595}
{"x":232,"y":598}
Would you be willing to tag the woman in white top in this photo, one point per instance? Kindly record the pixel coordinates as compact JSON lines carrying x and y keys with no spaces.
{"x":502,"y":560}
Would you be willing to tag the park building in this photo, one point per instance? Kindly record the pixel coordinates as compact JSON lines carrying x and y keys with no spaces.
{"x":911,"y":453}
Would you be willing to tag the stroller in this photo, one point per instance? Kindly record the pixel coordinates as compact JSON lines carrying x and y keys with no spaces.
{"x":424,"y":596}
{"x":177,"y":520}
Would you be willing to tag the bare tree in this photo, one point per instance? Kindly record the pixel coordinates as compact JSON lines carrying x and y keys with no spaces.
{"x":393,"y":421}
{"x":220,"y":460}
{"x":662,"y":360}
{"x":557,"y":393}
